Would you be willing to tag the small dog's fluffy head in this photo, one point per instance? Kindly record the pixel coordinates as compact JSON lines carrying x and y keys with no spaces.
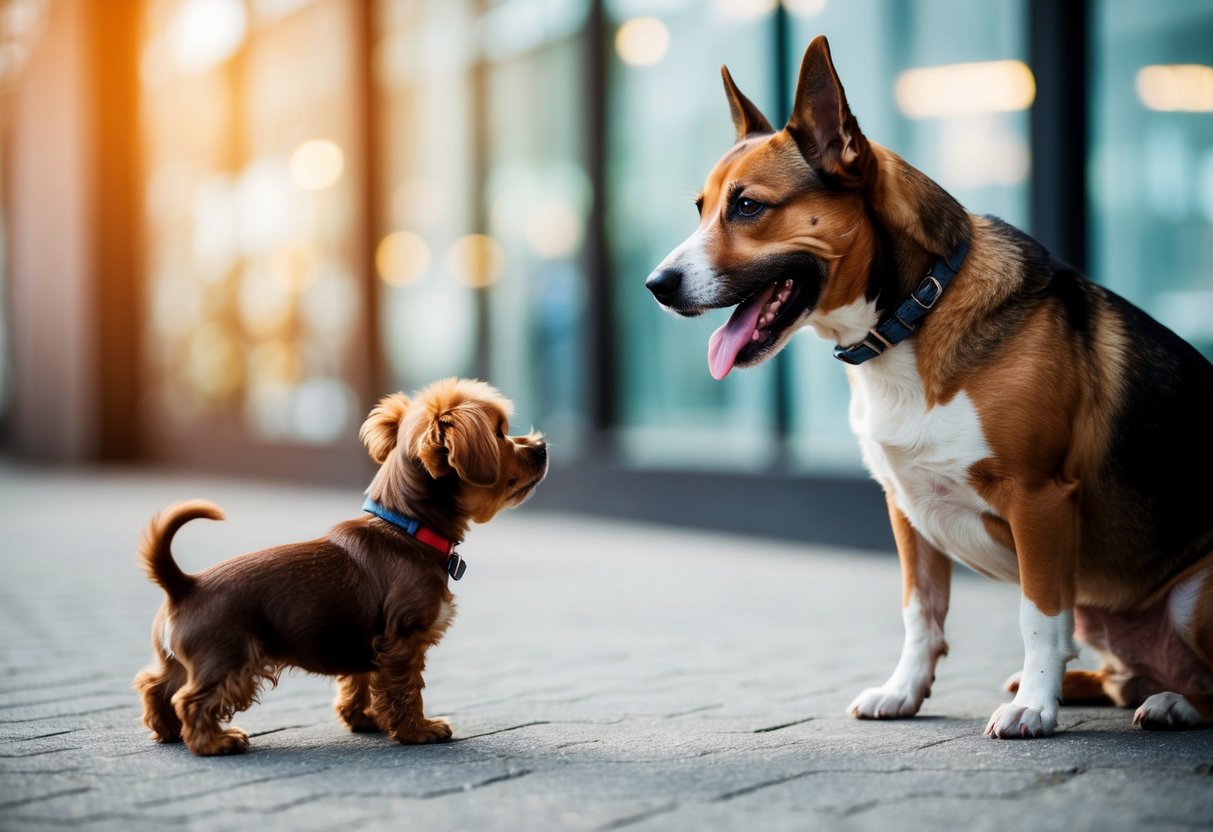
{"x":452,"y":438}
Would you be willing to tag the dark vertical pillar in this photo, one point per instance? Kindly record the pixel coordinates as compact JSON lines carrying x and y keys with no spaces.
{"x":116,"y":210}
{"x":601,"y":373}
{"x":783,"y":91}
{"x":1058,"y":54}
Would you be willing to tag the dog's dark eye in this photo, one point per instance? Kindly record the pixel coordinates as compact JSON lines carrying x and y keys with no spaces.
{"x":501,"y":431}
{"x":748,"y":207}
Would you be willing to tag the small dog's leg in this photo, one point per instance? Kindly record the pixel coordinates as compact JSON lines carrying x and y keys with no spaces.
{"x":353,"y":703}
{"x":396,"y":693}
{"x":926,"y":577}
{"x":1044,"y":524}
{"x":157,"y":684}
{"x":206,"y":702}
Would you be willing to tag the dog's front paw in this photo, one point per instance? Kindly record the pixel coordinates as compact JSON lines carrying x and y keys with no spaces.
{"x":1015,"y":720}
{"x":422,"y":733}
{"x":886,"y":702}
{"x":223,"y":743}
{"x":1167,"y":712}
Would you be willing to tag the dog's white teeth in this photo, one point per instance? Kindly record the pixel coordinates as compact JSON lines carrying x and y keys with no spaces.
{"x":784,"y":295}
{"x":757,"y":336}
{"x":774,"y":307}
{"x":787,"y":284}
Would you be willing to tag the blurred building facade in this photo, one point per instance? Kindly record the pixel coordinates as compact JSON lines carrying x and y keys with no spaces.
{"x":230,"y":225}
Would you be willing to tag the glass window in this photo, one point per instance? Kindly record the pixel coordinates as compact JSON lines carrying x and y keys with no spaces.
{"x":486,"y":201}
{"x":668,"y":122}
{"x":909,"y":71}
{"x":1151,"y":160}
{"x":251,"y":142}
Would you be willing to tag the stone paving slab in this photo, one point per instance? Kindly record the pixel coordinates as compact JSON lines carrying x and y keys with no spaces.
{"x":600,"y":675}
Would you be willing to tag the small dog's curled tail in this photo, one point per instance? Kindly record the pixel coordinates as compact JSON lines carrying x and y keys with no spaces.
{"x":155,"y":549}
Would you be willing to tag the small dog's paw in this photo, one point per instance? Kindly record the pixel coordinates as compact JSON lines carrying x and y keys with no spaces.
{"x":1167,"y":712}
{"x":231,"y":741}
{"x":1017,"y":721}
{"x":360,"y":721}
{"x":424,"y":732}
{"x":885,"y":703}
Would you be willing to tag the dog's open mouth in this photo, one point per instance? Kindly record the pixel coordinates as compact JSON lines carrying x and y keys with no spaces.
{"x":754,"y":326}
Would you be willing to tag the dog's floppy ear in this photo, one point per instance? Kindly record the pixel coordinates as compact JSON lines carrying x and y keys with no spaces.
{"x":462,"y":439}
{"x":822,"y":124}
{"x":471,"y":443}
{"x":747,"y":118}
{"x":382,"y":427}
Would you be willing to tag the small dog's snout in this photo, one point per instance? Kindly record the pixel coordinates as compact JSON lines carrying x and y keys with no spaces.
{"x":664,"y":284}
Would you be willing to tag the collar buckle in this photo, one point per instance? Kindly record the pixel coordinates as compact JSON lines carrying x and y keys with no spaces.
{"x":931,"y":288}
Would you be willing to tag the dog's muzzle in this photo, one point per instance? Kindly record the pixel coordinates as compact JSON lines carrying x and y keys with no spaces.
{"x":664,"y":284}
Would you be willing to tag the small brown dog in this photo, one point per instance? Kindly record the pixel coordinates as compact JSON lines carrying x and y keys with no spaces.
{"x":363,"y":603}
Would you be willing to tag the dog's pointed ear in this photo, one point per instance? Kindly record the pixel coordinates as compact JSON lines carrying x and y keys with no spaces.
{"x":822,"y":125}
{"x":747,"y":118}
{"x":381,"y":429}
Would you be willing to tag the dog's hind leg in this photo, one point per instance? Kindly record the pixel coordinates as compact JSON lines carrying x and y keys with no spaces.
{"x":396,"y":692}
{"x":212,"y":695}
{"x":1190,"y":609}
{"x":926,"y":588}
{"x":157,"y":684}
{"x":353,"y":703}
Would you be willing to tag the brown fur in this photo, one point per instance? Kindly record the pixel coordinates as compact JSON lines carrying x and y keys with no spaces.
{"x":1082,"y":399}
{"x":363,"y":603}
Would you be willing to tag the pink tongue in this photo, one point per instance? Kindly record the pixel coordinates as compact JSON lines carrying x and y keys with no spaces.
{"x":728,"y":341}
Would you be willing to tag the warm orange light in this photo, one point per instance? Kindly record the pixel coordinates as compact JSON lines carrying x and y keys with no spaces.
{"x":642,"y":41}
{"x":402,"y":258}
{"x":1176,"y":88}
{"x":965,"y":89}
{"x":205,"y":33}
{"x":317,"y":164}
{"x":477,"y":260}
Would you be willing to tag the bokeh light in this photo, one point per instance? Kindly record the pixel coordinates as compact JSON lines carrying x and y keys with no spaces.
{"x":642,"y":41}
{"x":961,"y":89}
{"x":402,"y":257}
{"x":476,"y":260}
{"x":317,"y":164}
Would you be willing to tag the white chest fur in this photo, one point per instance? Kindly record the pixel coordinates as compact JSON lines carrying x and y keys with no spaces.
{"x":922,"y":457}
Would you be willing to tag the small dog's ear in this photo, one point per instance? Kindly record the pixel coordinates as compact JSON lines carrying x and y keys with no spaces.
{"x":462,"y":439}
{"x":382,"y":427}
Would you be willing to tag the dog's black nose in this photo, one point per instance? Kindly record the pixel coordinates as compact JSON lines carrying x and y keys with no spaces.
{"x":664,"y":284}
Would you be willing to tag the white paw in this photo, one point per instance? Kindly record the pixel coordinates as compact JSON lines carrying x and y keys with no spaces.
{"x":1015,"y":720}
{"x":1167,"y":712}
{"x":887,"y":702}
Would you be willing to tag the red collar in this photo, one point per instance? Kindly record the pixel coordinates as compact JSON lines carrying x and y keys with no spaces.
{"x":455,"y":565}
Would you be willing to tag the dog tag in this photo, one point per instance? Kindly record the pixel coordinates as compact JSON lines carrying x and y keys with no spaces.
{"x":455,"y":566}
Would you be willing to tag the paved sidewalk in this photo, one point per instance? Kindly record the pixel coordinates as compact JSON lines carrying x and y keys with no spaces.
{"x":599,"y":676}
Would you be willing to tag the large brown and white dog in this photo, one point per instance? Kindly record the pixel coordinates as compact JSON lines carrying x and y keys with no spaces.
{"x":1021,"y":419}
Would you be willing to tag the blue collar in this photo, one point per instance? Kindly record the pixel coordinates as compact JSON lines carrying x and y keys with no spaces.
{"x":901,"y":324}
{"x":455,"y":565}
